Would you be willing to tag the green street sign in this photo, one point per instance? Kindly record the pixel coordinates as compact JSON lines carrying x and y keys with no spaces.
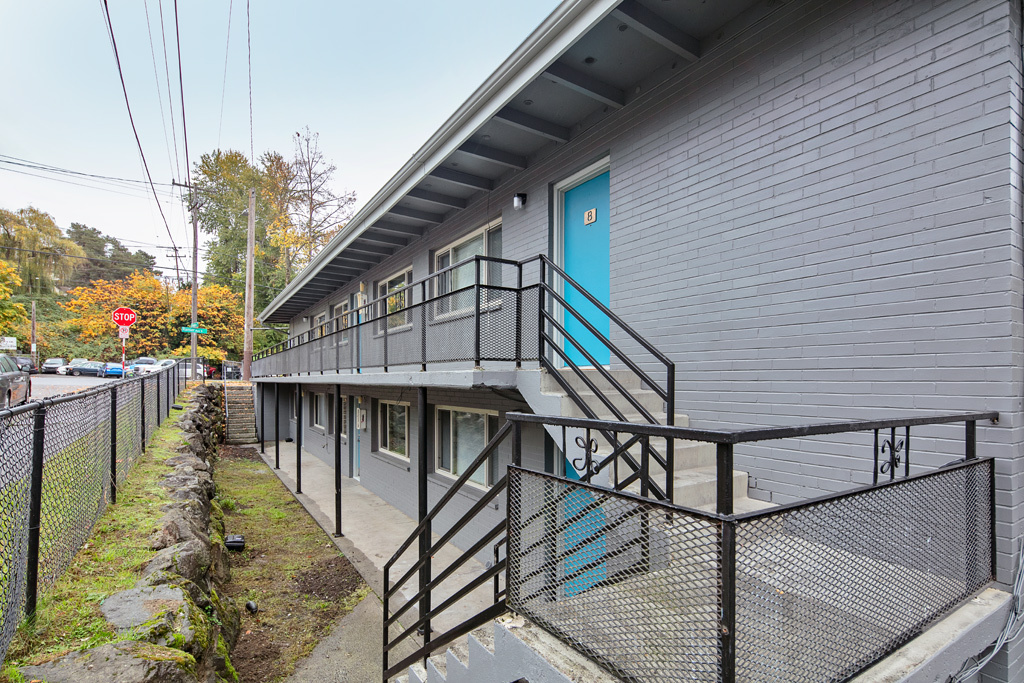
{"x":196,"y":330}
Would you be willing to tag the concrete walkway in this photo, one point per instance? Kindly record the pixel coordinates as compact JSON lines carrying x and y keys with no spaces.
{"x":373,"y":531}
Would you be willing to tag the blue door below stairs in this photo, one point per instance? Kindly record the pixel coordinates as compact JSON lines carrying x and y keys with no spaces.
{"x":587,"y":260}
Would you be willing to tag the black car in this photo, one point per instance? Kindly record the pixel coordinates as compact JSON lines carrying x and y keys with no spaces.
{"x":27,"y":364}
{"x":93,"y":367}
{"x":50,"y":365}
{"x":13,"y":383}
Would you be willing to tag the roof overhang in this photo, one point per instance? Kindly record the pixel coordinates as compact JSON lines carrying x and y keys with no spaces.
{"x":586,"y":60}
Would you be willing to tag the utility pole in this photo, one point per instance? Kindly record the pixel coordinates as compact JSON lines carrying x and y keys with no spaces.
{"x":35,"y":358}
{"x":250,"y":249}
{"x":194,"y":208}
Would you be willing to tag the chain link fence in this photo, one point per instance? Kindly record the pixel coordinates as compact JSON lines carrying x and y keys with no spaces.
{"x":819,"y":590}
{"x":61,"y":462}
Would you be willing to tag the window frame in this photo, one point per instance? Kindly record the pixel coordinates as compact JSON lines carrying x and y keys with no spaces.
{"x":341,"y":313}
{"x":449,"y":472}
{"x":384,"y":319}
{"x":442,"y":284}
{"x":316,"y":410}
{"x":382,"y":423}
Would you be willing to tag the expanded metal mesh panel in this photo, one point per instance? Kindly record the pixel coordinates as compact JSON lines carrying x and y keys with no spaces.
{"x":76,"y":465}
{"x":632,"y":583}
{"x":129,"y":428}
{"x":451,"y":328}
{"x":825,"y":589}
{"x":15,"y":474}
{"x":499,"y":323}
{"x":528,"y":327}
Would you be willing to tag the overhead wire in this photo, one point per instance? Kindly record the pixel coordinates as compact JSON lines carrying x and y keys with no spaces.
{"x":224,"y":85}
{"x":248,"y":42}
{"x":159,"y":92}
{"x":167,"y":74}
{"x":181,"y":87}
{"x":138,"y":141}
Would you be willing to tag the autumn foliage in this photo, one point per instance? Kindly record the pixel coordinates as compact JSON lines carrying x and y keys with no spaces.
{"x":161,"y":314}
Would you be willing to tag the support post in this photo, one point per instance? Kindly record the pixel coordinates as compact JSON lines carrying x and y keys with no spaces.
{"x":338,"y":414}
{"x":725,"y":494}
{"x":423,"y":326}
{"x":727,"y":632}
{"x":261,"y":390}
{"x":519,"y":316}
{"x":421,"y":449}
{"x":113,"y":445}
{"x":298,"y":440}
{"x":971,"y":440}
{"x":35,"y":512}
{"x":277,"y":426}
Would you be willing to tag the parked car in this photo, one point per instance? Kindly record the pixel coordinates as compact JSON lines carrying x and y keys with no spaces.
{"x":75,"y":362}
{"x":27,"y":364}
{"x":113,"y":370}
{"x":92,"y":367}
{"x":206,"y":369}
{"x":155,"y":367}
{"x":50,"y":365}
{"x":135,"y":367}
{"x":14,"y":383}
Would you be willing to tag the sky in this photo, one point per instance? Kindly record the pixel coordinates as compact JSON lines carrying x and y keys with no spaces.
{"x":374,"y":79}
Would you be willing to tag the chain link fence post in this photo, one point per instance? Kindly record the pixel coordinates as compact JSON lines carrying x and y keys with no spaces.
{"x":113,"y":445}
{"x":35,"y":512}
{"x":142,"y":388}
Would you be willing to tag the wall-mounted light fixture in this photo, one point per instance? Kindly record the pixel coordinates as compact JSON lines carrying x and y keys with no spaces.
{"x":519,"y":201}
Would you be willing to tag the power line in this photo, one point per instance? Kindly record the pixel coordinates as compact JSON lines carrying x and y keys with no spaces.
{"x":71,"y":182}
{"x":181,"y":87}
{"x":224,"y":85}
{"x":40,"y":166}
{"x":124,"y":89}
{"x":167,"y":74}
{"x":156,"y":78}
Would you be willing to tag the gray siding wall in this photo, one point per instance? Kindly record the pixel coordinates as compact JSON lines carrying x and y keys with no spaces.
{"x":818,"y":220}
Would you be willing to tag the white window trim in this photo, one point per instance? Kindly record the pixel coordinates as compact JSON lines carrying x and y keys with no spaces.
{"x":339,"y":310}
{"x":381,"y":322}
{"x":437,"y":443}
{"x":381,"y":426}
{"x":315,"y":409}
{"x":485,"y":305}
{"x":342,"y":429}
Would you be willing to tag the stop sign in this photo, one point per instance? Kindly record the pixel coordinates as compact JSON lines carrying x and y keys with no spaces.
{"x":124,"y":316}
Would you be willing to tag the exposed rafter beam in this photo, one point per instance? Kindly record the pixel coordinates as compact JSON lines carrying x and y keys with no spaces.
{"x":377,"y":238}
{"x":586,"y":85}
{"x":341,"y":270}
{"x":648,"y":24}
{"x":465,"y":179}
{"x":437,"y":198}
{"x":398,"y":228}
{"x":496,"y":156}
{"x":367,"y":249}
{"x":406,"y":212}
{"x":532,"y":124}
{"x":357,"y":259}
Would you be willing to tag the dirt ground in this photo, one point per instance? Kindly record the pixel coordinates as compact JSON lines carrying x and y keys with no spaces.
{"x":300,"y":582}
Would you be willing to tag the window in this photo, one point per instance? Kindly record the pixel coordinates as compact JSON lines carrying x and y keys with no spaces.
{"x":393,"y":419}
{"x":344,"y":416}
{"x":461,"y":436}
{"x":393,"y":288}
{"x":315,"y":329}
{"x":316,"y":410}
{"x":341,"y":321}
{"x":295,"y":403}
{"x":484,"y":242}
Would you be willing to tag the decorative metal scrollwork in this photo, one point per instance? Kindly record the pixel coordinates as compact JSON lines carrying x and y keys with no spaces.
{"x":894,"y":452}
{"x":590,"y":448}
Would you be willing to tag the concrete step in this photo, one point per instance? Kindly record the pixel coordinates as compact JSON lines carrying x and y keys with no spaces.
{"x":627,"y":378}
{"x":651,"y":401}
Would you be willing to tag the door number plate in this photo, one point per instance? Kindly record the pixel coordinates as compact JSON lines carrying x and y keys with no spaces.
{"x":590,"y":217}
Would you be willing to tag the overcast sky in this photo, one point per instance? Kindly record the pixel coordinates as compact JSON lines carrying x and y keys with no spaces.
{"x":375,"y":79}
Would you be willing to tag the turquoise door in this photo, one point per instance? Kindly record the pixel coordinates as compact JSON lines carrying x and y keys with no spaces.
{"x":587,"y":260}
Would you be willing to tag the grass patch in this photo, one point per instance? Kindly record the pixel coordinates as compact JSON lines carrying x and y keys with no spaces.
{"x":68,"y":616}
{"x":290,"y":568}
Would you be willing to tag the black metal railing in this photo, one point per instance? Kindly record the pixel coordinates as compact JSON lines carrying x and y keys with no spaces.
{"x":719,"y":595}
{"x":62,"y":460}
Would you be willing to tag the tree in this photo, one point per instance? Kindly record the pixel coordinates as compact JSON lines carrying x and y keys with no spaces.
{"x":42,"y":256}
{"x":316,"y":210}
{"x":219,"y":310}
{"x":113,"y":260}
{"x":91,"y":306}
{"x":13,"y":316}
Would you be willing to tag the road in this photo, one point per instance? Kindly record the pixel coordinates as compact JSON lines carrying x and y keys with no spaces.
{"x":44,"y":386}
